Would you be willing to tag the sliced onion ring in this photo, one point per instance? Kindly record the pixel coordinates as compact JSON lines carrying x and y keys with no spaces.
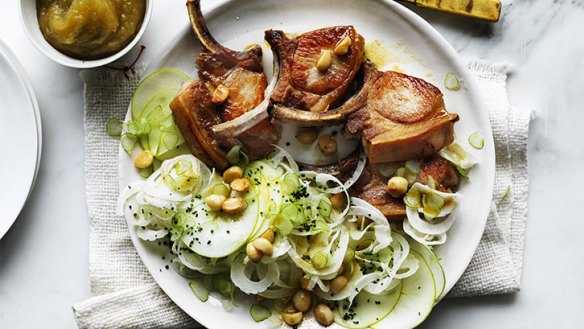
{"x":241,"y":124}
{"x":241,"y":275}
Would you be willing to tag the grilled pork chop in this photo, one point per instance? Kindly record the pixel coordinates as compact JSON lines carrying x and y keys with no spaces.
{"x":403,"y":118}
{"x":196,"y":112}
{"x":302,"y":86}
{"x":372,"y":185}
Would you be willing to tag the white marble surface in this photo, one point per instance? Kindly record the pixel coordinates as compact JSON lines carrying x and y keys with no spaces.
{"x":44,"y":257}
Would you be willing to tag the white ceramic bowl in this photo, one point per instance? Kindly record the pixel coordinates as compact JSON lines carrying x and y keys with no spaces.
{"x":28,"y":14}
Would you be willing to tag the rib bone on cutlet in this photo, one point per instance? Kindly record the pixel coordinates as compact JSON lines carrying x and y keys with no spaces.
{"x":242,"y":73}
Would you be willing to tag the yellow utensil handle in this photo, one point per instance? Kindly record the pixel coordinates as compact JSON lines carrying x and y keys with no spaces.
{"x":488,"y":10}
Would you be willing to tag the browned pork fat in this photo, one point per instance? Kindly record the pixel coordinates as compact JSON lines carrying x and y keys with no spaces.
{"x":403,"y":118}
{"x":196,"y":111}
{"x":442,"y":172}
{"x":372,"y":187}
{"x":302,"y":84}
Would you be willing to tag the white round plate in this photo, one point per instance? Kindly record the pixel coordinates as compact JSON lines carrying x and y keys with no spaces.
{"x":20,"y":136}
{"x":416,"y":48}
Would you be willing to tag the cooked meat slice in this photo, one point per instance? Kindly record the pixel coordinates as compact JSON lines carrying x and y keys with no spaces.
{"x":372,"y":187}
{"x":246,"y":91}
{"x":194,"y":114}
{"x":301,"y":85}
{"x":241,"y":72}
{"x":343,"y":170}
{"x":442,"y":171}
{"x":404,"y":118}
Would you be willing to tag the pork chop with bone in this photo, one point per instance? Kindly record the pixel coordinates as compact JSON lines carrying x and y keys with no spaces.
{"x":316,"y":70}
{"x":231,"y":83}
{"x":401,"y":118}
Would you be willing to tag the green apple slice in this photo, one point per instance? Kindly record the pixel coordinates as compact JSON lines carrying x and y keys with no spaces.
{"x":435,"y":266}
{"x":157,"y":81}
{"x":416,"y":300}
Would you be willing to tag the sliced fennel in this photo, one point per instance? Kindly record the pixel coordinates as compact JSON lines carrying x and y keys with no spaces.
{"x":425,"y":239}
{"x":241,"y":275}
{"x":439,"y":210}
{"x":312,"y":239}
{"x":459,"y":157}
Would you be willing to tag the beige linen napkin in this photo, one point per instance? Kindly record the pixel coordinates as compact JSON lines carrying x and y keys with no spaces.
{"x":125,"y":295}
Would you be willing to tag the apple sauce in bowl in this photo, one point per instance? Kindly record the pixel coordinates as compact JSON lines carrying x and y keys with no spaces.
{"x":90,"y":29}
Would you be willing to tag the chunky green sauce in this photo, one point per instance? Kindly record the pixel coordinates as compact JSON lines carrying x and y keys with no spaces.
{"x":90,"y":29}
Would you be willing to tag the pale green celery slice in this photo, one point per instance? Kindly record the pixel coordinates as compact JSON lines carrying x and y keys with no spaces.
{"x":146,"y":172}
{"x":135,"y":128}
{"x":114,"y":127}
{"x":407,"y":174}
{"x":432,"y":204}
{"x":451,"y":81}
{"x":259,"y":312}
{"x":413,"y":166}
{"x":208,"y":282}
{"x":433,"y":200}
{"x":431,"y":182}
{"x":233,"y":155}
{"x":476,"y":140}
{"x":324,"y":209}
{"x":506,"y":194}
{"x":200,"y":290}
{"x":223,"y":285}
{"x":220,"y":189}
{"x":290,"y":183}
{"x":284,"y":226}
{"x":321,"y":226}
{"x":128,"y":142}
{"x":236,"y":156}
{"x":320,"y":260}
{"x":293,"y":213}
{"x":412,"y":199}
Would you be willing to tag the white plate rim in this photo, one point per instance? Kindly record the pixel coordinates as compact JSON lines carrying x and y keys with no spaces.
{"x":471,"y":86}
{"x":6,"y":53}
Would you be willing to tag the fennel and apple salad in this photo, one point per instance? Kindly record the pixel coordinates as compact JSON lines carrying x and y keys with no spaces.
{"x":296,"y":240}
